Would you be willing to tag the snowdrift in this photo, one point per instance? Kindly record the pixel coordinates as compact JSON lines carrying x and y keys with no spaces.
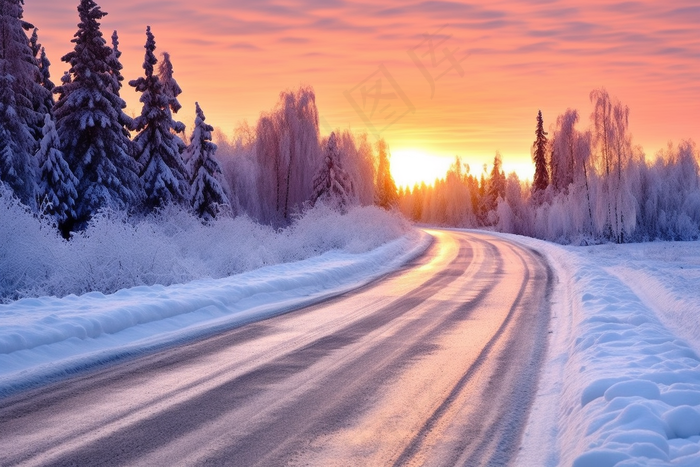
{"x":620,"y":388}
{"x":47,"y":338}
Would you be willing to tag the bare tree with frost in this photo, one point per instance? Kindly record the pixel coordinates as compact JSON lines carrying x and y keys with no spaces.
{"x":613,"y":149}
{"x":287,"y":153}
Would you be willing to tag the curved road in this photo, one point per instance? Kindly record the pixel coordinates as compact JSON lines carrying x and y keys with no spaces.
{"x":437,"y":364}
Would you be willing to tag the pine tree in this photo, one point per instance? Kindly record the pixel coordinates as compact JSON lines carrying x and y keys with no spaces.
{"x":57,"y":192}
{"x":495,"y":188}
{"x":115,"y":70}
{"x":65,"y":79}
{"x":17,"y":168}
{"x":386,"y":196}
{"x":34,"y":43}
{"x":90,"y":121}
{"x":115,"y":64}
{"x":208,"y":195}
{"x":44,"y":65}
{"x":539,"y":155}
{"x":158,"y":150}
{"x":23,"y":103}
{"x":170,"y":86}
{"x":332,"y":183}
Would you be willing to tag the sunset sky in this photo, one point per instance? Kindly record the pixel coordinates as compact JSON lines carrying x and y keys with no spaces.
{"x":452,"y":78}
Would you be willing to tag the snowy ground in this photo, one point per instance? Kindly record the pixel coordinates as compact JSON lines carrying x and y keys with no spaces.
{"x":621,"y":385}
{"x":48,"y":337}
{"x":622,"y":382}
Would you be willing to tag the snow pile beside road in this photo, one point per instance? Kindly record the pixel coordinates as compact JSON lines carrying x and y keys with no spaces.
{"x":665,"y":275}
{"x":48,"y":337}
{"x":170,"y":248}
{"x":619,"y":387}
{"x":639,"y":389}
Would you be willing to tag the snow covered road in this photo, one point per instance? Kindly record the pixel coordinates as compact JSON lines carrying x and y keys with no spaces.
{"x":437,"y":363}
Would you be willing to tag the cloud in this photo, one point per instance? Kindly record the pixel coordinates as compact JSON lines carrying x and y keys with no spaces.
{"x":294,"y":40}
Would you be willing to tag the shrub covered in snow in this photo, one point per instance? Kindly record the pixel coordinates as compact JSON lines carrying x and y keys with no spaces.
{"x":168,"y":247}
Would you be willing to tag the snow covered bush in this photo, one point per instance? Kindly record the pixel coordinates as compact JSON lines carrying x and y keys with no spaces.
{"x":170,"y":246}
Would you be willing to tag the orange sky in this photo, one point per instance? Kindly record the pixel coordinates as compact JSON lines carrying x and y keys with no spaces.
{"x":494,"y":66}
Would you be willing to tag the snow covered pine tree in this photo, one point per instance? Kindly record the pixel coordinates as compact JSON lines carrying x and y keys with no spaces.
{"x":57,"y":192}
{"x":43,"y":63}
{"x":159,"y":150}
{"x":91,"y":123}
{"x":332,"y":184}
{"x":23,"y":104}
{"x":208,"y":196}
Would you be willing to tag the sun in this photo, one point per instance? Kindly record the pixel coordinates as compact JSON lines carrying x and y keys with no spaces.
{"x":410,"y":166}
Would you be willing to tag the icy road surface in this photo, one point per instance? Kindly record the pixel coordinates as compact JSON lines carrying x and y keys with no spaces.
{"x":437,"y":363}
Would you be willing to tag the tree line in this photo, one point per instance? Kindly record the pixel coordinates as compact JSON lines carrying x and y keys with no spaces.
{"x":590,"y":185}
{"x":283,"y":165}
{"x":67,"y":151}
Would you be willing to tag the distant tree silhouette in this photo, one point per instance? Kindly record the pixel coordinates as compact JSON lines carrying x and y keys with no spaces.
{"x":539,"y":155}
{"x":385,"y":191}
{"x":495,"y":188}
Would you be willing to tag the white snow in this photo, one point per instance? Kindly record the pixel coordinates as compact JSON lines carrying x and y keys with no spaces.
{"x":621,"y":386}
{"x":46,"y":338}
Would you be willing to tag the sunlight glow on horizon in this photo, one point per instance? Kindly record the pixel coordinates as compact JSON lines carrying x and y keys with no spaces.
{"x":414,"y":166}
{"x":411,"y":166}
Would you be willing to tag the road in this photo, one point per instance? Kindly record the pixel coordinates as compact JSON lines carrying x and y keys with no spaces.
{"x":436,"y":364}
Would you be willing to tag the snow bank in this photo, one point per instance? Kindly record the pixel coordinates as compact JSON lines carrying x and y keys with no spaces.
{"x":47,"y":337}
{"x":619,"y":387}
{"x":639,"y":384}
{"x":172,"y":247}
{"x":665,"y":276}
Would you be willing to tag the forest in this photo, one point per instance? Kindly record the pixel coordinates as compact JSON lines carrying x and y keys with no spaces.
{"x":69,"y":154}
{"x":591,"y":185}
